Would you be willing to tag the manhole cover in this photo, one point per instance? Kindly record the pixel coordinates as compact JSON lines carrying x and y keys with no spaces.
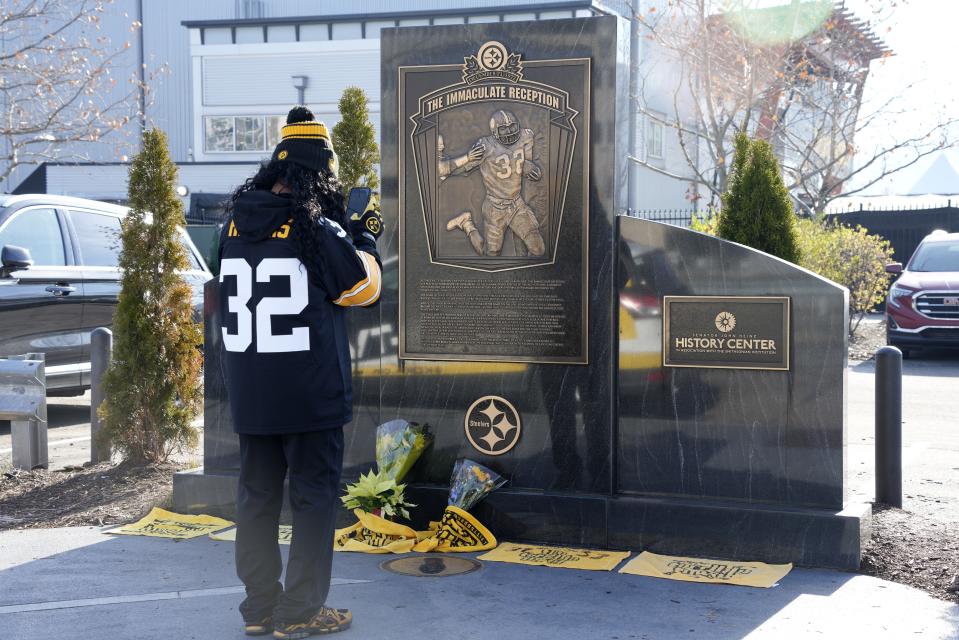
{"x":431,"y":566}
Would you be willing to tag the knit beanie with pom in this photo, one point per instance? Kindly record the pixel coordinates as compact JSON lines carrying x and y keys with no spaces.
{"x":306,"y":142}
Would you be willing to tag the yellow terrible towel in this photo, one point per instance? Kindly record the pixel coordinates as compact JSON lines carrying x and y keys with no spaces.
{"x":457,"y":531}
{"x":746,"y":574}
{"x":564,"y":557}
{"x":373,"y":534}
{"x":165,"y":524}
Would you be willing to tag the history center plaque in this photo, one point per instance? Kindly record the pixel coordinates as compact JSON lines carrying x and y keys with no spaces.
{"x":493,"y":188}
{"x":730,"y":332}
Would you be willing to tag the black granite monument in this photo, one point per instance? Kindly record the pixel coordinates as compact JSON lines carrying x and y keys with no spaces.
{"x":641,"y":386}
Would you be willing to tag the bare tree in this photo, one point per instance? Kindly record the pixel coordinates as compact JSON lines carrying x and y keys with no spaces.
{"x":792,"y":74}
{"x":58,"y":81}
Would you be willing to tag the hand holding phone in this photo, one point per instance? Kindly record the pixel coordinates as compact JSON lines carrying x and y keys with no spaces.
{"x":363,"y":212}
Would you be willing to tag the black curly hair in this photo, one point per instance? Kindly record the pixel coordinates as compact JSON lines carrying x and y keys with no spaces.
{"x":313,"y":194}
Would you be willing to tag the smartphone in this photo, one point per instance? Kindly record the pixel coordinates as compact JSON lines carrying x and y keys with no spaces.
{"x":359,"y":198}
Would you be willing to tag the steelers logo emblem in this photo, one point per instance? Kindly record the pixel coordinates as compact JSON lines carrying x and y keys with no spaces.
{"x":282,"y":155}
{"x":725,"y":321}
{"x":492,"y":56}
{"x":373,"y":224}
{"x":492,"y":425}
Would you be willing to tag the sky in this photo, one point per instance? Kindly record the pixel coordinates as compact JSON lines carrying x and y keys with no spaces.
{"x":922,"y":35}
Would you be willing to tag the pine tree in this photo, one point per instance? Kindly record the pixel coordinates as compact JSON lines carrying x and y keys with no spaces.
{"x":152,"y":389}
{"x":757,"y":210}
{"x":355,"y":142}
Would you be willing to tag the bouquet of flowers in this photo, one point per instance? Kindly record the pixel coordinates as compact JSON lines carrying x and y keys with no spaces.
{"x":378,"y":494}
{"x":459,"y":530}
{"x":399,"y":445}
{"x":471,"y":482}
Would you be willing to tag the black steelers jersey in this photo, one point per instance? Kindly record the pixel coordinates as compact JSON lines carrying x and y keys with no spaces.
{"x":286,"y":351}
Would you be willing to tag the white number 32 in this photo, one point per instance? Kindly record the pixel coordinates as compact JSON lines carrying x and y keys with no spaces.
{"x":266,"y":341}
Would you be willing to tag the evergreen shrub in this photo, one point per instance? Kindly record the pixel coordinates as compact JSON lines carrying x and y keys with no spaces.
{"x":152,"y":389}
{"x":757,"y":210}
{"x":355,"y":142}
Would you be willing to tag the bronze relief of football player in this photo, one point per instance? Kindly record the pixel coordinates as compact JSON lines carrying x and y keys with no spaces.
{"x":504,"y":158}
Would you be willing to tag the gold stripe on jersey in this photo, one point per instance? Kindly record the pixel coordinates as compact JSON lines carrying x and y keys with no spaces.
{"x":366,"y":291}
{"x":232,"y":233}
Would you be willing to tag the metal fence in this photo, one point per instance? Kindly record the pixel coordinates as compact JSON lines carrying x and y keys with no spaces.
{"x":903,"y":228}
{"x":677,"y":217}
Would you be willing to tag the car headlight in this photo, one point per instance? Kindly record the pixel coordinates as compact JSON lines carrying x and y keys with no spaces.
{"x":897,"y":292}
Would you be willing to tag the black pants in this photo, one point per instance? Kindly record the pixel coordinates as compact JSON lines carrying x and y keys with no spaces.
{"x":315,"y":461}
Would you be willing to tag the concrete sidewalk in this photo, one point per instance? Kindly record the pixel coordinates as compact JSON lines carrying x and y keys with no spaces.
{"x":80,"y":583}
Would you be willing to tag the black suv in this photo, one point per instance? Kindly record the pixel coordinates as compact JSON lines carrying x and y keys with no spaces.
{"x":71,"y":287}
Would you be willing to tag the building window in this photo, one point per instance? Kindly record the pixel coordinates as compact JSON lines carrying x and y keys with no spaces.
{"x":218,"y":134}
{"x":654,"y":139}
{"x":274,"y":124}
{"x":241,"y":133}
{"x":250,"y":8}
{"x":249,"y":133}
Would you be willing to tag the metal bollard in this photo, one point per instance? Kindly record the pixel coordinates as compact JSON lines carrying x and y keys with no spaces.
{"x":889,"y":426}
{"x":23,"y":401}
{"x":101,"y":351}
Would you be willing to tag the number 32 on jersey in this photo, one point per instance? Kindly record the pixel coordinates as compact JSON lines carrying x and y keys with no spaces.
{"x":262,"y":318}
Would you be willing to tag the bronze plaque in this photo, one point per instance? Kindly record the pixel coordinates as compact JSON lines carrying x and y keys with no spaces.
{"x":493,"y":188}
{"x":729,"y":332}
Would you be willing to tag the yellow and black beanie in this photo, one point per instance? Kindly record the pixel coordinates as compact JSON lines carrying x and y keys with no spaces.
{"x":306,"y":142}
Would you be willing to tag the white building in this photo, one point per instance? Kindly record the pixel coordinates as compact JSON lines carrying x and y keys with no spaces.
{"x":236,"y":66}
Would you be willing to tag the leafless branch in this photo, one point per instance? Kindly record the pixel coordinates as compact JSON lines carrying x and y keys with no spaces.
{"x":803,"y":92}
{"x":60,"y":81}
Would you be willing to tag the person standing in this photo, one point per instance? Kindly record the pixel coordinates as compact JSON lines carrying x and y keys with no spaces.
{"x":291,"y":259}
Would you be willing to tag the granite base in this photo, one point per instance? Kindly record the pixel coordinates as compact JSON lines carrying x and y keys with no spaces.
{"x":706,"y":528}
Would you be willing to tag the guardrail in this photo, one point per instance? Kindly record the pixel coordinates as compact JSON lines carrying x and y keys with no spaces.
{"x":23,"y":401}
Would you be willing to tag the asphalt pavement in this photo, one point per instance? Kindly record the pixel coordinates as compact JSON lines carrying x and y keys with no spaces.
{"x":80,"y":583}
{"x":930,"y":434}
{"x":68,"y":435}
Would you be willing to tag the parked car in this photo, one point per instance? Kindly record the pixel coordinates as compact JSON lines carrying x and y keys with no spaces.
{"x":60,"y":280}
{"x":922,"y":309}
